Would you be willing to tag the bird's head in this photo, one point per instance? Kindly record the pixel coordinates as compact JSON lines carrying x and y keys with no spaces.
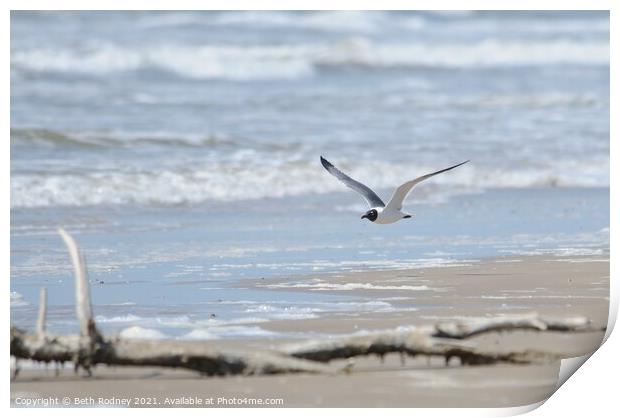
{"x":371,"y":215}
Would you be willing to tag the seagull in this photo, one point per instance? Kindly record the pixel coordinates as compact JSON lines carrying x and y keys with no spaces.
{"x":379,"y":212}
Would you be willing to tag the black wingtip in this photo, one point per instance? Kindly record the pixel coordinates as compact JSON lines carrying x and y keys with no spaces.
{"x":325,"y":163}
{"x":458,"y":165}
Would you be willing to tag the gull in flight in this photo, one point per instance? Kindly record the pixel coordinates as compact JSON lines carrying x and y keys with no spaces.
{"x":379,"y":212}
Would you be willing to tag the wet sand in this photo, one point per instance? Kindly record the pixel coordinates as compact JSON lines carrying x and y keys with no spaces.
{"x":549,"y":285}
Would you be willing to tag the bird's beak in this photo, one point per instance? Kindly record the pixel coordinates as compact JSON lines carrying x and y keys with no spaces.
{"x":364,"y":216}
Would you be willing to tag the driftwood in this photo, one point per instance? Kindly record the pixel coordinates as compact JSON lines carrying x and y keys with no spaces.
{"x":442,"y":340}
{"x":446,"y":339}
{"x":467,"y":329}
{"x":83,"y":307}
{"x":178,"y":354}
{"x":42,"y":313}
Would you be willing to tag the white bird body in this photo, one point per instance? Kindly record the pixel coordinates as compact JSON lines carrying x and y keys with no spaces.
{"x":389,"y":216}
{"x":379,"y":212}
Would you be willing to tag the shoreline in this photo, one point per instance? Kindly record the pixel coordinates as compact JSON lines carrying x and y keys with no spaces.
{"x":550,"y":286}
{"x":416,"y":290}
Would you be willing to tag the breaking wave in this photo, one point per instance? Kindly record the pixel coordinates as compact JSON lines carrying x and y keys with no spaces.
{"x":36,"y":136}
{"x":243,"y":181}
{"x":264,"y":62}
{"x":373,"y":22}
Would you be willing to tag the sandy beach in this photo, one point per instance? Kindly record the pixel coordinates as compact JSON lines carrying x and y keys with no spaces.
{"x":549,"y":285}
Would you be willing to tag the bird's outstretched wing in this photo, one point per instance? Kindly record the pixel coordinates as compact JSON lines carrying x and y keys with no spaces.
{"x":396,"y":202}
{"x":371,"y":197}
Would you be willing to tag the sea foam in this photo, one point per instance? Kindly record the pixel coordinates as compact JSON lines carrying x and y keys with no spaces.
{"x":263,"y":62}
{"x":214,"y":182}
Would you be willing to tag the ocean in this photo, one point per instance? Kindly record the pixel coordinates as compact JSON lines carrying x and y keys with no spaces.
{"x":181,"y":149}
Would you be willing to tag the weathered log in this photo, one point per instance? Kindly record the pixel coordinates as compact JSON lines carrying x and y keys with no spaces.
{"x":198,"y":356}
{"x":407,"y":342}
{"x":301,"y":357}
{"x":442,"y":340}
{"x":472,"y":327}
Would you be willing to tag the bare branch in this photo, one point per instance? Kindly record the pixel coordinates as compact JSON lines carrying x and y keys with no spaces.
{"x":82,"y":289}
{"x":42,"y":313}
